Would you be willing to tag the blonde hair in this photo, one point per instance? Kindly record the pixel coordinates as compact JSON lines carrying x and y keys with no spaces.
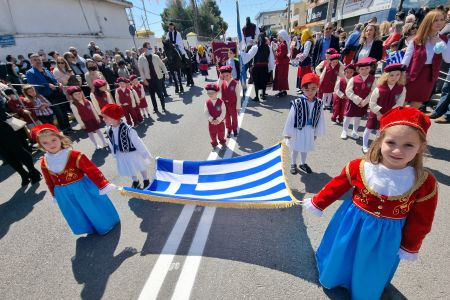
{"x":65,"y":141}
{"x":384,"y":77}
{"x":384,"y":28}
{"x":424,"y":31}
{"x":25,"y":90}
{"x":376,"y":35}
{"x":374,"y":155}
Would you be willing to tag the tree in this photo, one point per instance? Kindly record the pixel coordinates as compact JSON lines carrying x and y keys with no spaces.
{"x":179,"y":14}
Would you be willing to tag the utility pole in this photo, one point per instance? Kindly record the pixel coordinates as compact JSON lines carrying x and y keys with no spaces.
{"x":146,"y":18}
{"x":330,"y":10}
{"x":289,"y":17}
{"x":195,"y":10}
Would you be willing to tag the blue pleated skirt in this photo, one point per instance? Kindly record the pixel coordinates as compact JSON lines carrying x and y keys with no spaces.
{"x":359,"y":252}
{"x":84,"y":209}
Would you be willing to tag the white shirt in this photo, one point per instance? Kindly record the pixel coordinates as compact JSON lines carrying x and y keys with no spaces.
{"x":178,"y":40}
{"x":429,"y":47}
{"x":56,"y":162}
{"x":389,"y":182}
{"x":365,"y":50}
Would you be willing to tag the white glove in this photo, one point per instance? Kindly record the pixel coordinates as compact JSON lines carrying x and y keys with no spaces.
{"x":405,"y":255}
{"x":307,"y":203}
{"x":107,"y":189}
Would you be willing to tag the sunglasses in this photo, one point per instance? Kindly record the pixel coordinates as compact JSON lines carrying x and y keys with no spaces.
{"x":61,"y":63}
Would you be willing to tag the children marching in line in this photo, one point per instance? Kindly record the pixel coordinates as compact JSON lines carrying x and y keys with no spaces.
{"x":129,"y":100}
{"x":358,"y":92}
{"x":130,"y":152}
{"x":230,"y":90}
{"x":215,"y":110}
{"x":76,"y":183}
{"x":101,"y":95}
{"x":389,"y":214}
{"x":140,"y":92}
{"x":339,"y":98}
{"x":389,"y":93}
{"x":86,"y":115}
{"x":305,"y":123}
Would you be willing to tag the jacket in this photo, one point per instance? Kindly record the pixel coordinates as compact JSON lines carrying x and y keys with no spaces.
{"x":144,"y":68}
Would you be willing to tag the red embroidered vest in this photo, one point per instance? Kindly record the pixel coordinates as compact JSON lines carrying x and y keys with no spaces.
{"x":124,"y":96}
{"x":214,"y":109}
{"x":102,"y":99}
{"x":137,"y":89}
{"x":330,"y":77}
{"x":85,"y":110}
{"x":229,"y":93}
{"x":362,"y":88}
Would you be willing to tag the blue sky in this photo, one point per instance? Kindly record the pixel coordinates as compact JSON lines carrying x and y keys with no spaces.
{"x":228,"y":8}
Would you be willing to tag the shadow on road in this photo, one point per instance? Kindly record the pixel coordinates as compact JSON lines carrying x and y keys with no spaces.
{"x":169,"y":117}
{"x":247,"y":142}
{"x":94,"y":262}
{"x":441,"y":177}
{"x":18,"y":207}
{"x":439,"y":153}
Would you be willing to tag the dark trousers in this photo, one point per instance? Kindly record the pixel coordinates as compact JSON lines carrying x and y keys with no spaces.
{"x":162,"y":85}
{"x":60,"y":110}
{"x":46,"y":119}
{"x":154,"y":88}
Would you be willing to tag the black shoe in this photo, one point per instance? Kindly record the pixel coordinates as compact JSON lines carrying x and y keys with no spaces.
{"x":156,"y":111}
{"x":25,"y":181}
{"x":235,"y":133}
{"x":263,"y":96}
{"x":285,"y":93}
{"x":36,"y":178}
{"x":305,"y":168}
{"x":433,"y":116}
{"x":181,"y":90}
{"x":293,"y":170}
{"x":256,"y":99}
{"x":228,"y":134}
{"x":145,"y":184}
{"x":135,"y":185}
{"x":164,"y":109}
{"x":166,"y":95}
{"x":280,"y":94}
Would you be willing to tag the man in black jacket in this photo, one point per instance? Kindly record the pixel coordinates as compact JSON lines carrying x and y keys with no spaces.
{"x":329,"y":40}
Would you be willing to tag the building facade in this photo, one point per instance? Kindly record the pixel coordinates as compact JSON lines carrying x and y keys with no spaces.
{"x":31,"y":25}
{"x":274,"y":20}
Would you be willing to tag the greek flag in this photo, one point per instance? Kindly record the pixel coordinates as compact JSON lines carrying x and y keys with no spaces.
{"x":395,"y":58}
{"x":241,"y":45}
{"x":251,"y":181}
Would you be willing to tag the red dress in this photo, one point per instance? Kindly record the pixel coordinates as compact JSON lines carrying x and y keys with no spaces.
{"x":216,"y":132}
{"x":387,"y":99}
{"x":141,"y":96}
{"x":280,"y":82}
{"x":87,"y":115}
{"x":329,"y":78}
{"x":362,"y":89}
{"x":339,"y":103}
{"x":125,"y":100}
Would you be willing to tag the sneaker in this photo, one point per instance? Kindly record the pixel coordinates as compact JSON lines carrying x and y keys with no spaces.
{"x":355,"y":135}
{"x":365,"y":150}
{"x":344,"y":135}
{"x":146,"y":183}
{"x":135,"y":185}
{"x":442,"y":120}
{"x":305,"y":168}
{"x":293,"y":170}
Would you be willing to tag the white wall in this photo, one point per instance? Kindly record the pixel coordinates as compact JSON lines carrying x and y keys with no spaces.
{"x":59,"y":24}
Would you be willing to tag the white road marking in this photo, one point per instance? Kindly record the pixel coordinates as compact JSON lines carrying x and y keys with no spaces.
{"x":165,"y":260}
{"x":189,"y":271}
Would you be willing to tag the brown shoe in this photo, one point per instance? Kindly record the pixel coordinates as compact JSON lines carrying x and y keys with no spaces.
{"x":442,"y":120}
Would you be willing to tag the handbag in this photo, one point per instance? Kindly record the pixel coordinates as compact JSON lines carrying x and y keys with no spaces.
{"x":15,"y":123}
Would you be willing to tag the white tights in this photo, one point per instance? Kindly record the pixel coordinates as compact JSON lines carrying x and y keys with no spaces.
{"x":303,"y":156}
{"x":346,"y":124}
{"x":144,"y":176}
{"x":366,"y":136}
{"x":326,"y":98}
{"x":100,"y":135}
{"x":145,"y":112}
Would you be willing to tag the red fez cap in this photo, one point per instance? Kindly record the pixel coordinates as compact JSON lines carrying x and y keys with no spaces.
{"x":350,"y":66}
{"x":38,"y":128}
{"x":394,"y":67}
{"x":212,"y":87}
{"x":122,"y":79}
{"x":365,"y":62}
{"x":113,"y":111}
{"x":332,"y":51}
{"x":73,"y":89}
{"x":335,"y":56}
{"x":310,"y":78}
{"x":404,"y":115}
{"x":99,"y":82}
{"x":226,"y":69}
{"x":133,"y":77}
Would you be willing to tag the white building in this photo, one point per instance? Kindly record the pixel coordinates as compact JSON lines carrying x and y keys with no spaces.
{"x":273,"y":20}
{"x":59,"y":24}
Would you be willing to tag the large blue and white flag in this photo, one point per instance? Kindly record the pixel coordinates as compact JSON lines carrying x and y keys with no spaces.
{"x":241,"y":46}
{"x":251,"y":181}
{"x":395,"y":58}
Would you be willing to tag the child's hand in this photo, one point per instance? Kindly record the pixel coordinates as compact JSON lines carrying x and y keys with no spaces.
{"x":404,"y":255}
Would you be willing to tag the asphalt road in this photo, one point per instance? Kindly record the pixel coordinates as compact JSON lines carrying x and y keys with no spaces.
{"x":247,"y":254}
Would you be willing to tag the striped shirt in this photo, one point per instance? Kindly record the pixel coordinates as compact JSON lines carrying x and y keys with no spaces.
{"x":38,"y":102}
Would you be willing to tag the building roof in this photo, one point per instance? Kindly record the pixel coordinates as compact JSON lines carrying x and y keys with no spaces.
{"x":125,"y":3}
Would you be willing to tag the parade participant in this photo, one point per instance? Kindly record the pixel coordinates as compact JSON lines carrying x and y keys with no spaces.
{"x":230,"y":94}
{"x":174,"y":36}
{"x":389,"y":93}
{"x":129,"y":100}
{"x":78,"y":186}
{"x":358,"y":92}
{"x":390,"y":212}
{"x":305,"y":123}
{"x":215,"y":111}
{"x":203,"y":61}
{"x":339,"y":97}
{"x":131,"y":154}
{"x":21,"y":106}
{"x":140,"y":92}
{"x":86,"y":115}
{"x":280,"y":83}
{"x":250,"y":31}
{"x":329,"y":70}
{"x":234,"y":63}
{"x":423,"y":58}
{"x":304,"y":57}
{"x":100,"y":96}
